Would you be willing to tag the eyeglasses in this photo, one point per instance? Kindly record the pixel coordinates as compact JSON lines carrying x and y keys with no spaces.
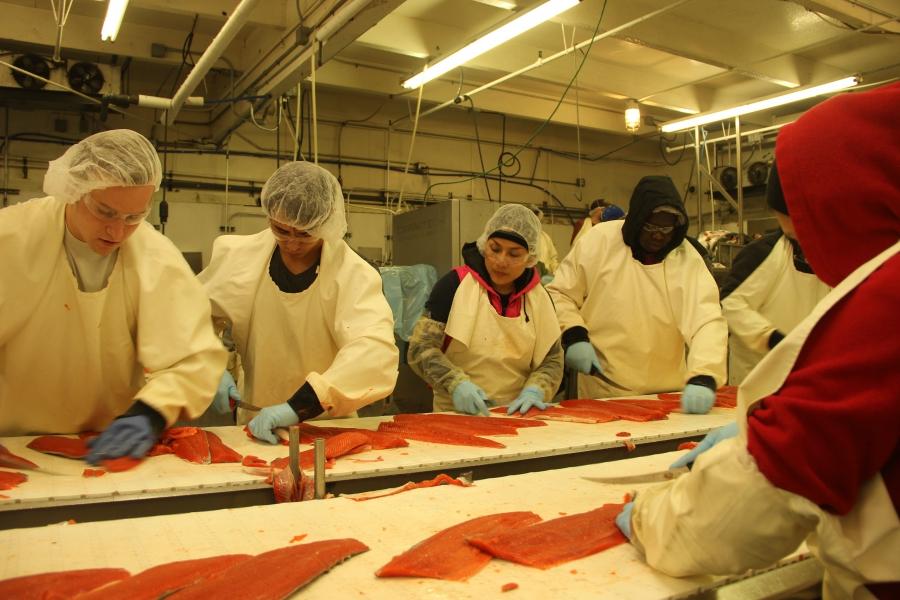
{"x":105,"y":213}
{"x":495,"y":255}
{"x":284,"y":233}
{"x":663,"y":229}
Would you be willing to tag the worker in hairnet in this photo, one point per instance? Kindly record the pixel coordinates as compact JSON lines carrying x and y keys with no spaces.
{"x":312,"y":328}
{"x":813,"y":456}
{"x":633,"y":295}
{"x":548,"y":258}
{"x":104,"y":325}
{"x":770,"y":289}
{"x":489,"y":334}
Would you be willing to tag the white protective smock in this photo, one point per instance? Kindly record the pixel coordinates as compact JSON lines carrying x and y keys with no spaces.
{"x":497,"y":353}
{"x":338,"y":334}
{"x":547,"y":253}
{"x":73,"y":361}
{"x":641,"y":319}
{"x":586,"y":225}
{"x":775,"y":296}
{"x":764,"y":520}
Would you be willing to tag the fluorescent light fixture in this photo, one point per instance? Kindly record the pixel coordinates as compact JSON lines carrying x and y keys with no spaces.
{"x":519,"y":25}
{"x":504,"y":4}
{"x":632,"y":116}
{"x":115,"y":10}
{"x":793,"y":96}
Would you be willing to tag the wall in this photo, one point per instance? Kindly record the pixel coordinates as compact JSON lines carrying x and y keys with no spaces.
{"x":368,"y":155}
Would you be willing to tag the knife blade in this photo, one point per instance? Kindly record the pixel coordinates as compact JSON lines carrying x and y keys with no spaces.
{"x":246,"y":405}
{"x":599,"y":375}
{"x":655,"y":476}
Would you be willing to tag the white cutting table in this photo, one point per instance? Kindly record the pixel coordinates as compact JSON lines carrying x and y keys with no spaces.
{"x":388,"y":526}
{"x":167,"y":484}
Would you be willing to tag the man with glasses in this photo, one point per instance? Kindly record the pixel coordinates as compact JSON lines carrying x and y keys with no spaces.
{"x":104,"y":326}
{"x":309,"y":322}
{"x":637,"y":303}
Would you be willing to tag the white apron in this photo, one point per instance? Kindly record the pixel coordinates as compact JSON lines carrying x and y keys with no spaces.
{"x":279,"y":356}
{"x":95,"y":380}
{"x":497,"y":353}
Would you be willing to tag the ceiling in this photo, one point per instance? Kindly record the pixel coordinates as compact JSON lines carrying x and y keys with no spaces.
{"x":676,"y":57}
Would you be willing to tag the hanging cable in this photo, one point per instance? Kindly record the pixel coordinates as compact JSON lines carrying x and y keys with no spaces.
{"x":478,"y":145}
{"x":578,"y":195}
{"x":297,"y":121}
{"x":315,"y":121}
{"x":412,"y":141}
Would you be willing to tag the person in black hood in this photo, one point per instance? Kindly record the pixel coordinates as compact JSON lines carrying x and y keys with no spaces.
{"x":656,"y":222}
{"x":632,"y":295}
{"x":489,"y":334}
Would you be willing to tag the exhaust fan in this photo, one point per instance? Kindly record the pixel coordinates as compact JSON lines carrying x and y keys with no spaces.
{"x":86,"y":78}
{"x":33,"y":64}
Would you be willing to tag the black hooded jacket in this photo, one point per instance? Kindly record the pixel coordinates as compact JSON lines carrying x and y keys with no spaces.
{"x":652,"y":191}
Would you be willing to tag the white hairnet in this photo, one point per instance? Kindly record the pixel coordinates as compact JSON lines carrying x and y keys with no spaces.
{"x":120,"y":157}
{"x":517,"y":219}
{"x":307,"y":197}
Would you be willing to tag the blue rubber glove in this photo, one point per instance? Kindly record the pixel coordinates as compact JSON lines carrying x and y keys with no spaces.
{"x":532,"y":395}
{"x":547,"y":279}
{"x":470,"y":399}
{"x":581,"y":356}
{"x":127,"y":436}
{"x":712,"y":438}
{"x":225,"y":394}
{"x":280,"y":415}
{"x":623,"y":520}
{"x":697,"y":399}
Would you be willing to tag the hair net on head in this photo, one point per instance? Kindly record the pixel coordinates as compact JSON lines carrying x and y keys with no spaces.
{"x":306,"y":196}
{"x":517,"y":219}
{"x":120,"y":157}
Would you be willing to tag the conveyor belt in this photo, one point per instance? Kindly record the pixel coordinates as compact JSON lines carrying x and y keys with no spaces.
{"x":388,"y":526}
{"x":167,"y":484}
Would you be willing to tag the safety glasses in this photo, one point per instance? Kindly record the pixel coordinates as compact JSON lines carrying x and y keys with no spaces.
{"x":109,"y":215}
{"x":663,"y":229}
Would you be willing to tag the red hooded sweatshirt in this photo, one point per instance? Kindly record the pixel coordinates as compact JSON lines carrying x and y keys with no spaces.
{"x":835,"y":422}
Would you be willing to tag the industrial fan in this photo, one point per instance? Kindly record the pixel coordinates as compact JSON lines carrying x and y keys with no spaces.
{"x":758,"y":173}
{"x":33,"y":64}
{"x":86,"y":78}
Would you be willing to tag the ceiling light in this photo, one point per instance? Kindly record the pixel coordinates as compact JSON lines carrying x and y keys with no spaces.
{"x":115,"y":10}
{"x":632,"y":116}
{"x":792,"y":96}
{"x":520,"y":24}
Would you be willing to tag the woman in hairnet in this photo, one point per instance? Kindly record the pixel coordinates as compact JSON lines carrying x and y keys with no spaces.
{"x":104,"y":326}
{"x":489,"y":334}
{"x":313,"y":330}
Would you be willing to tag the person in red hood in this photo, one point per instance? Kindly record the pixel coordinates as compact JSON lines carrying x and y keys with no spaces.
{"x":489,"y":333}
{"x":815,"y":458}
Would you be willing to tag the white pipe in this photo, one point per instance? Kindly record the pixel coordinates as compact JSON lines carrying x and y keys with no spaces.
{"x":166,"y":103}
{"x":729,"y":137}
{"x":216,"y":48}
{"x":340,"y":18}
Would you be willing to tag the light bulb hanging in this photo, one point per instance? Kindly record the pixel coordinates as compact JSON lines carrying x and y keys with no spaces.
{"x":632,"y":116}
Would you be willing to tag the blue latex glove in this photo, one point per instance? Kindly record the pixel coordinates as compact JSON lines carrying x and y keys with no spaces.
{"x":581,"y":356}
{"x":712,"y":438}
{"x":697,"y":399}
{"x":127,"y":436}
{"x":225,"y":394}
{"x":280,"y":415}
{"x":547,"y":279}
{"x":470,"y":399}
{"x":623,"y":520}
{"x":532,"y":395}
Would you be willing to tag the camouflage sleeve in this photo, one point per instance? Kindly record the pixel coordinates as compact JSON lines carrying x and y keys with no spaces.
{"x":549,"y":373}
{"x":428,"y":361}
